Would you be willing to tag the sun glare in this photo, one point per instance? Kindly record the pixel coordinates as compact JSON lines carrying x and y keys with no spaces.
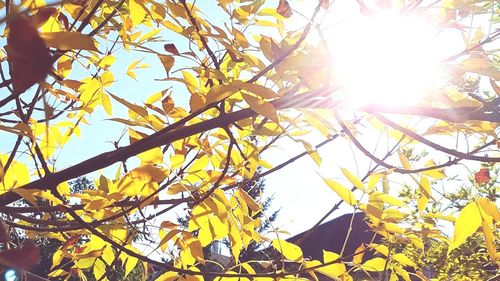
{"x":388,"y":58}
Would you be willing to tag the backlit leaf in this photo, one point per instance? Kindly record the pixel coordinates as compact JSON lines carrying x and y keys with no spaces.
{"x":341,"y":191}
{"x":68,"y":40}
{"x":137,"y":12}
{"x":149,"y":173}
{"x":375,"y":264}
{"x":261,"y":107}
{"x":437,"y":174}
{"x":259,"y":90}
{"x":404,"y":161}
{"x":288,"y":250}
{"x":333,"y":270}
{"x":489,"y":208}
{"x":489,"y":240}
{"x":168,"y":276}
{"x":353,"y":179}
{"x":467,"y":223}
{"x":425,"y":193}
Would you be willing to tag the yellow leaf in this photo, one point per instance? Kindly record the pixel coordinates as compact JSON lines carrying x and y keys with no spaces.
{"x":108,"y":255}
{"x":353,"y":179}
{"x":190,"y":81}
{"x":154,"y":98}
{"x":205,"y":235}
{"x":404,"y":260}
{"x":480,"y":63}
{"x":17,"y":174}
{"x":63,"y":188}
{"x":378,"y":197}
{"x":136,"y":12}
{"x":467,"y":223}
{"x":436,"y":173}
{"x":177,"y":188}
{"x":489,"y":239}
{"x":312,"y":152}
{"x":425,"y":193}
{"x":106,"y":104}
{"x":404,"y":161}
{"x":240,"y":38}
{"x":107,"y":78}
{"x":249,"y":200}
{"x":380,"y":248}
{"x":99,"y":268}
{"x":107,"y":61}
{"x":165,"y":237}
{"x":403,"y":273}
{"x":375,"y":264}
{"x":358,"y":254}
{"x":489,"y":208}
{"x":68,"y":40}
{"x":373,"y":180}
{"x":258,"y":90}
{"x":135,"y":108}
{"x":332,"y":270}
{"x":261,"y":107}
{"x":152,"y":156}
{"x":341,"y":191}
{"x":167,"y":62}
{"x":394,"y":228}
{"x":441,"y":216}
{"x":133,"y":65}
{"x":130,"y":264}
{"x":168,"y":276}
{"x":149,"y":173}
{"x":219,"y":92}
{"x":288,"y":250}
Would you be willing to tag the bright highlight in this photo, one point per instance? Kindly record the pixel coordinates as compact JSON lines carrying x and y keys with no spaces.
{"x":387,"y":58}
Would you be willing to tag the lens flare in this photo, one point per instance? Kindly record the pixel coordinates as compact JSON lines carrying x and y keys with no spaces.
{"x":388,"y":58}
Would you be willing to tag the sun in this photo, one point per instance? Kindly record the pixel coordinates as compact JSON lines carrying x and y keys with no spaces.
{"x":389,"y":58}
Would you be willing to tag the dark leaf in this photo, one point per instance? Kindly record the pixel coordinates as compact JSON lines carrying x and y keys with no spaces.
{"x":4,"y":232}
{"x":171,"y":49}
{"x":29,"y":58}
{"x":25,"y":257}
{"x":483,"y":176}
{"x":43,"y":15}
{"x":284,"y":9}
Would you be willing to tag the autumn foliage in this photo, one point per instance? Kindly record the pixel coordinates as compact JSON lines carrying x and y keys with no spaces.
{"x":204,"y":91}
